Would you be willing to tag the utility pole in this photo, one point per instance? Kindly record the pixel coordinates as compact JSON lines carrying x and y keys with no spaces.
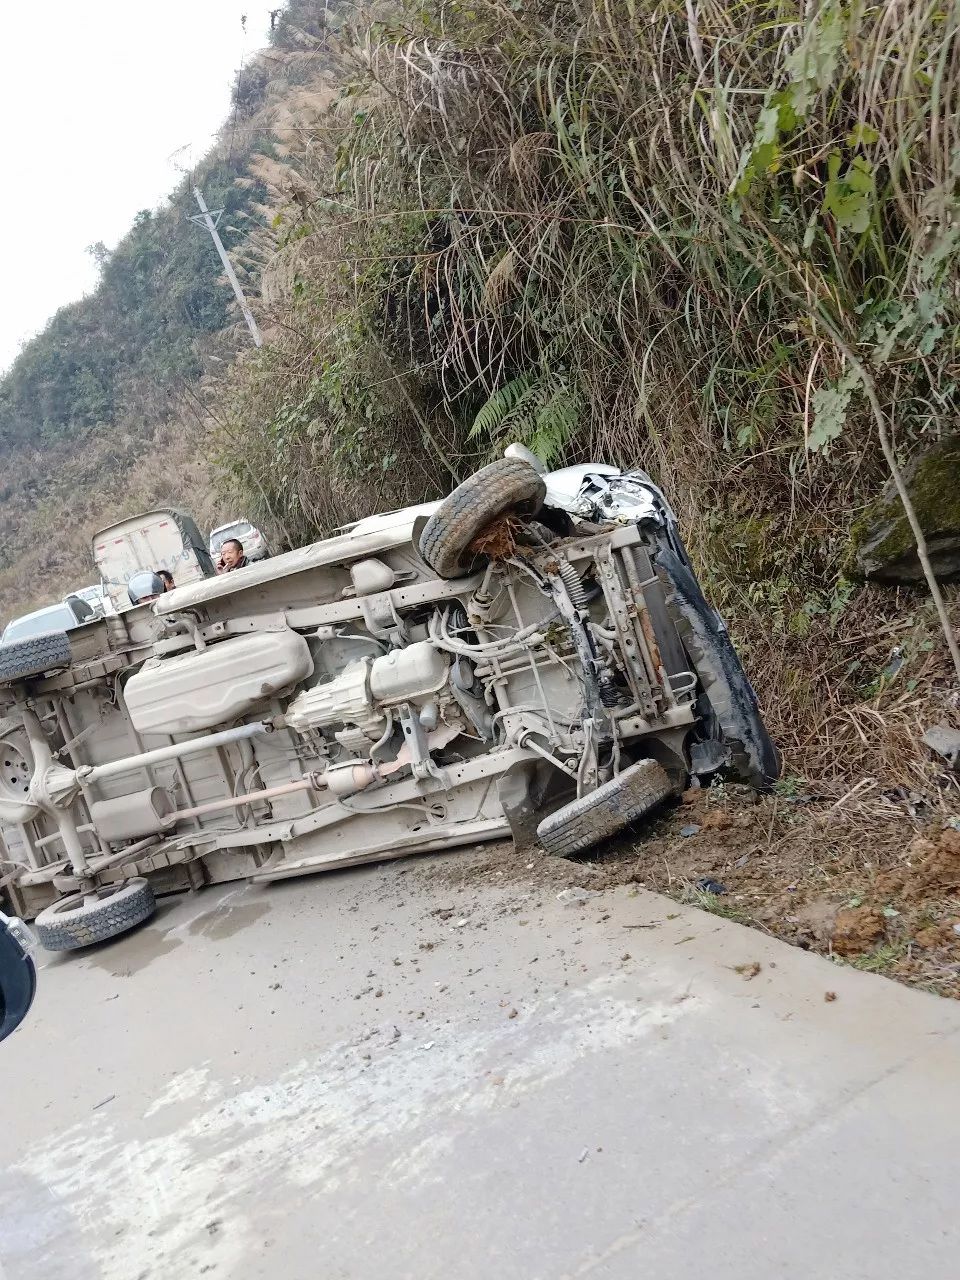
{"x":211,"y":220}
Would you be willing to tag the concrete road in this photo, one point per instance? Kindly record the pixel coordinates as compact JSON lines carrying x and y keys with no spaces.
{"x":376,"y":1074}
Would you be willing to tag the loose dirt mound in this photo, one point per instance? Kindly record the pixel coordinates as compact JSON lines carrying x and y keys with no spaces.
{"x":875,"y":889}
{"x":856,"y":930}
{"x":932,"y":869}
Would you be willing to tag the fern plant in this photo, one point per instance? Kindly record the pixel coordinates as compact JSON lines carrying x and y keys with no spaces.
{"x":540,"y":409}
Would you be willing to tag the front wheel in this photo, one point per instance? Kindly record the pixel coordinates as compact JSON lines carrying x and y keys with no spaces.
{"x":596,"y":817}
{"x":505,"y":487}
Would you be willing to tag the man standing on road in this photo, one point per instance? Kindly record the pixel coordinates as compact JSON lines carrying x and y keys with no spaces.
{"x":232,"y":557}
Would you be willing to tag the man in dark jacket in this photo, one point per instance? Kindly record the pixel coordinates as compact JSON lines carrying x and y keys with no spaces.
{"x":232,"y":557}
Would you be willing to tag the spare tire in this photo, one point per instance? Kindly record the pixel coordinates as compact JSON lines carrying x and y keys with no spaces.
{"x":507,"y":486}
{"x":21,"y":659}
{"x":80,"y":921}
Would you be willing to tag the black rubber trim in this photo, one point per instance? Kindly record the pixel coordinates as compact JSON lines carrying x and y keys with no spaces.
{"x":18,"y":982}
{"x":754,"y":758}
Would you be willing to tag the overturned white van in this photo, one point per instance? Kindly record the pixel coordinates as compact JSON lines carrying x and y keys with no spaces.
{"x":532,"y":656}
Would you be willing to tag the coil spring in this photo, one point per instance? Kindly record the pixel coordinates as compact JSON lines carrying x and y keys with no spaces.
{"x":573,"y":583}
{"x":609,"y":693}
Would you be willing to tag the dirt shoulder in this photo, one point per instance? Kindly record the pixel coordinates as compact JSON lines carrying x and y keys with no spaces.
{"x":871,"y":885}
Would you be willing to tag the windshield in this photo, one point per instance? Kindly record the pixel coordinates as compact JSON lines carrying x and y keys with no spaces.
{"x":242,"y":529}
{"x":57,"y":618}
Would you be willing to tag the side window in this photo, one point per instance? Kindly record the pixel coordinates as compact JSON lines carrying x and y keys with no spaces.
{"x":81,"y":611}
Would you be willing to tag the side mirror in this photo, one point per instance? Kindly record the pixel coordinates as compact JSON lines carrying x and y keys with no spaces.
{"x":18,"y":974}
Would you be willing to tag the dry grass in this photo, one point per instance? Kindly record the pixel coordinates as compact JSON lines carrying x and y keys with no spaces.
{"x":849,"y":702}
{"x":117,"y":474}
{"x":581,"y":230}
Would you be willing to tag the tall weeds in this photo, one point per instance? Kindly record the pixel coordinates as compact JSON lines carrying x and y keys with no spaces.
{"x":716,"y":240}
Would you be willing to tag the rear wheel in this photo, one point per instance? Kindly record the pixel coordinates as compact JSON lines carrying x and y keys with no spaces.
{"x":83,"y":919}
{"x":505,"y":487}
{"x":593,"y":818}
{"x":16,"y":775}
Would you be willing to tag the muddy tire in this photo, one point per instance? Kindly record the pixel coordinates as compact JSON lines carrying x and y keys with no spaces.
{"x":593,"y":818}
{"x":72,"y":922}
{"x":731,"y":701}
{"x":504,"y":487}
{"x":24,"y":658}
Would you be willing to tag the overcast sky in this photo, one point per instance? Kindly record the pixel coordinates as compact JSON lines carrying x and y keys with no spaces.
{"x":94,"y":98}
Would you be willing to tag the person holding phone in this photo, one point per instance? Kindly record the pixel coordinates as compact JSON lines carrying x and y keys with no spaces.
{"x":231,"y":556}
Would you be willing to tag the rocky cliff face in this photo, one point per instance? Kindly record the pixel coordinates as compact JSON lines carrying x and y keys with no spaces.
{"x":882,"y":544}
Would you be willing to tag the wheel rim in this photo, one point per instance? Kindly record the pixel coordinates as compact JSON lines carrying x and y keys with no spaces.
{"x":15,"y":772}
{"x":76,"y":900}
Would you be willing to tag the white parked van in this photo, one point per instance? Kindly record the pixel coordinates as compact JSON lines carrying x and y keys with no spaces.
{"x":53,"y":617}
{"x":94,"y":596}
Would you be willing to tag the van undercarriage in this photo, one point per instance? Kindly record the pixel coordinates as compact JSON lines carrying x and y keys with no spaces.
{"x":532,"y":657}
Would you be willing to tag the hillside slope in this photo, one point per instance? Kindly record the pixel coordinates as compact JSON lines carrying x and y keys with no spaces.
{"x":100,"y":414}
{"x":720,"y":243}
